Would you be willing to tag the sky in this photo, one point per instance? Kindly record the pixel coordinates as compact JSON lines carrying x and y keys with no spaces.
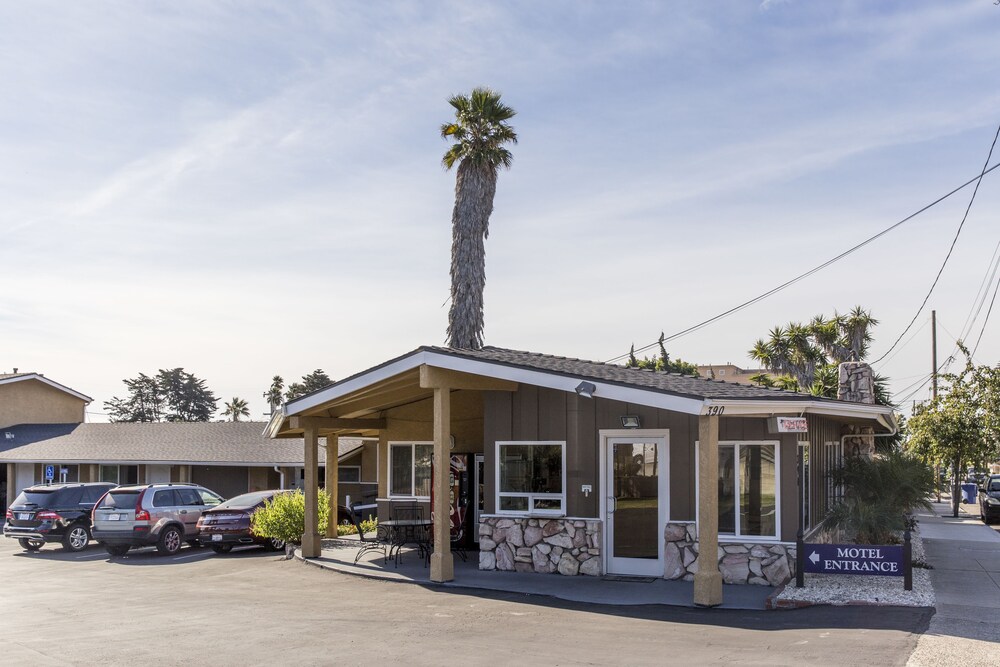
{"x":255,"y":188}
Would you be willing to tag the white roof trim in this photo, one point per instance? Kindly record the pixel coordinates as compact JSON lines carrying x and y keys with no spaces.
{"x":171,"y":462}
{"x":568,"y":383}
{"x":45,"y":380}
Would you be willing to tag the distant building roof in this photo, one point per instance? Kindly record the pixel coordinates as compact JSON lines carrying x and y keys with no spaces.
{"x":8,"y":378}
{"x":222,"y":443}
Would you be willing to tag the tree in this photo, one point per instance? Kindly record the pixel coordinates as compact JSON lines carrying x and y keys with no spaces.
{"x":808,"y":355}
{"x":661,"y":362}
{"x":144,"y":403}
{"x":275,"y":392}
{"x":283,"y":516}
{"x":311,"y":382}
{"x":236,"y":408}
{"x":962,"y":425}
{"x":171,"y":395}
{"x":480,"y":132}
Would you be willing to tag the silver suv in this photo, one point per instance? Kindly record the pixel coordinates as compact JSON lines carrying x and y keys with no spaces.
{"x":164,"y":515}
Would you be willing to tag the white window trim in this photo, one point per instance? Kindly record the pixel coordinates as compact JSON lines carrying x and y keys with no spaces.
{"x":734,"y":537}
{"x":531,"y":496}
{"x":413,"y":477}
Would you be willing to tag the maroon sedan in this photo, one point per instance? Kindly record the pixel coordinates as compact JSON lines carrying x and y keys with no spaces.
{"x":228,"y":525}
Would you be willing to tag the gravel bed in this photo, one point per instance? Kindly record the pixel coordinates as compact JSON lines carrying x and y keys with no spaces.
{"x":865,"y":589}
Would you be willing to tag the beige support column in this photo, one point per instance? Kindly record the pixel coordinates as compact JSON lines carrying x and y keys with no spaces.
{"x":330,"y":483}
{"x":311,"y":539}
{"x":708,"y":579}
{"x":442,"y":560}
{"x":11,"y":484}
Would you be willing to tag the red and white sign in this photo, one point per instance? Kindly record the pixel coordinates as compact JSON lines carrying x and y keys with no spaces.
{"x":791,"y":425}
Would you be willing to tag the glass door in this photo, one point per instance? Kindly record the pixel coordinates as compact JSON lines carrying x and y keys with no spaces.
{"x":478,"y":494}
{"x":636,"y":502}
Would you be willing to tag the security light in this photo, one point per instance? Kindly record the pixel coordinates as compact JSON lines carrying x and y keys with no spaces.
{"x":630,"y":421}
{"x":586,"y":389}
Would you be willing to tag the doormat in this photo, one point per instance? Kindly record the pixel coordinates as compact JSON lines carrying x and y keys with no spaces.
{"x":630,"y":579}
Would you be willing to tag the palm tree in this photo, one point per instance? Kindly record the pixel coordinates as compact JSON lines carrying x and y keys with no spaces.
{"x":236,"y":408}
{"x":480,"y":132}
{"x":275,"y":392}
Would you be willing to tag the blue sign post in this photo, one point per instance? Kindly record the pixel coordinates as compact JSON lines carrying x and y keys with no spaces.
{"x":50,"y":473}
{"x":881,"y":560}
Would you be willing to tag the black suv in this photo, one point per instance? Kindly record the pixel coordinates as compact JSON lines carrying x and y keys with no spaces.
{"x":54,"y":513}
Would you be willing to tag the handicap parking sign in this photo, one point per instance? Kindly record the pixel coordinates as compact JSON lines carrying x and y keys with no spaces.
{"x":50,"y":472}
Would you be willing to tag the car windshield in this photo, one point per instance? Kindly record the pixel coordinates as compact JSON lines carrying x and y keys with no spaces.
{"x":32,"y":498}
{"x":995,"y":485}
{"x":120,"y":499}
{"x":246,"y":500}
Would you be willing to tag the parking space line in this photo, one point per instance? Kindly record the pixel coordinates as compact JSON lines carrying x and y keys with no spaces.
{"x":191,"y":555}
{"x":91,"y":556}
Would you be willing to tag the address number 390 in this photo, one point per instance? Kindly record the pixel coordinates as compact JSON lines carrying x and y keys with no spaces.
{"x":716,"y":410}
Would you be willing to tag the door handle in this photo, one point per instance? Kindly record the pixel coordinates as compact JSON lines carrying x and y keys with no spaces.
{"x":183,"y":512}
{"x":613,"y":504}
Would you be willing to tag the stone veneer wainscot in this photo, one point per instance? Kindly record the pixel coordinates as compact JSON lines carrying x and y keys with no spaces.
{"x":740,"y":563}
{"x":523,"y":544}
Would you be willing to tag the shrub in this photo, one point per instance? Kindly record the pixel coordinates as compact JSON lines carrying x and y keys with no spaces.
{"x":367,"y":526}
{"x":283,"y":517}
{"x":880,"y":495}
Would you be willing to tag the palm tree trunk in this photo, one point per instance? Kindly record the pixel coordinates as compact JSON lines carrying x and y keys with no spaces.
{"x":475,"y":186}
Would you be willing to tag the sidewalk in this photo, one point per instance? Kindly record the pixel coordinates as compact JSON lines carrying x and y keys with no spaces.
{"x":965,"y":555}
{"x":338,"y":555}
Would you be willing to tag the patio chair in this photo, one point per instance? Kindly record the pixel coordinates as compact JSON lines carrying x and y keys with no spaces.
{"x":417,"y":535}
{"x":380,"y":542}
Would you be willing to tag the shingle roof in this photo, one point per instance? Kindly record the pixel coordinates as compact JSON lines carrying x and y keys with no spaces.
{"x":233,"y":443}
{"x":669,"y":383}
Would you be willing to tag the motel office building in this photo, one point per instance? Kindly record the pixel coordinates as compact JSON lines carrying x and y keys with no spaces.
{"x":584,"y":468}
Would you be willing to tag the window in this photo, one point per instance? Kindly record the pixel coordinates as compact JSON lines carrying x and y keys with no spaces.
{"x":349,"y":474}
{"x":209,"y":499}
{"x":410,"y":469}
{"x":833,"y":453}
{"x":748,"y":492}
{"x":531,"y":478}
{"x":109,"y":474}
{"x":164,"y":498}
{"x":188,"y":497}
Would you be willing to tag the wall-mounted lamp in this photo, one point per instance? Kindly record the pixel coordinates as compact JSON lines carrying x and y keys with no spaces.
{"x":586,"y":389}
{"x":630,"y":421}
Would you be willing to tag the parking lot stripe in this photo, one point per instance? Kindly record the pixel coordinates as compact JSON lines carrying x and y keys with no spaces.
{"x":191,"y":555}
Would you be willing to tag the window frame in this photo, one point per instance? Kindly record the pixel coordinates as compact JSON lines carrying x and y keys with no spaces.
{"x":413,"y":470}
{"x":531,"y":511}
{"x":737,"y":537}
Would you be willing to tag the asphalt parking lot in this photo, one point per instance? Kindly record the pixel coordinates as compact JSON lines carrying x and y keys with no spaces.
{"x":253,"y":607}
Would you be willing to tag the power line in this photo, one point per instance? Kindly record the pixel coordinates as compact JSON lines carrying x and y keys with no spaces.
{"x":950,"y":249}
{"x":982,"y":292}
{"x":903,"y":346}
{"x":988,"y":312}
{"x":811,"y":271}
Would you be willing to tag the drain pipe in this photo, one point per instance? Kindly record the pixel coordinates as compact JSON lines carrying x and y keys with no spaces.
{"x":281,"y":476}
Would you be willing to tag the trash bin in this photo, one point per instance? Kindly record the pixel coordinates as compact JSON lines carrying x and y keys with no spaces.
{"x":970,"y":494}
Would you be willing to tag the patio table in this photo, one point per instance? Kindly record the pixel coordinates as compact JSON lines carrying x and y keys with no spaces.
{"x":409,"y":531}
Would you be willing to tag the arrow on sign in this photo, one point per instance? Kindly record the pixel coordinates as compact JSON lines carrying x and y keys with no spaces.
{"x":814,"y":557}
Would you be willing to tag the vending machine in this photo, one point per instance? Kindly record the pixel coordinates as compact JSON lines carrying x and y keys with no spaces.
{"x":459,"y":493}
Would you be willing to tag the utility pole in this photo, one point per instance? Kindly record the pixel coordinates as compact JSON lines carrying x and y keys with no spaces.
{"x":934,"y":366}
{"x":934,"y":374}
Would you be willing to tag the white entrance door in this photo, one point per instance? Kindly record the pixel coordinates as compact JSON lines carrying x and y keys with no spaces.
{"x":635,"y":504}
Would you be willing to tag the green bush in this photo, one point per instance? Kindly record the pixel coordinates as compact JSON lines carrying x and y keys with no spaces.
{"x":367,"y":526}
{"x":880,"y":495}
{"x":284,"y":516}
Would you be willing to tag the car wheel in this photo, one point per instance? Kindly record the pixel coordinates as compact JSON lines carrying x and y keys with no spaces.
{"x":222,"y":548}
{"x":274,"y":544}
{"x":116,"y":550}
{"x":77,"y":538}
{"x":170,"y":541}
{"x":30,"y":545}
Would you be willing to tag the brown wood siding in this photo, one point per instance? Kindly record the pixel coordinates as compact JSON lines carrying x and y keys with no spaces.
{"x":821,"y":431}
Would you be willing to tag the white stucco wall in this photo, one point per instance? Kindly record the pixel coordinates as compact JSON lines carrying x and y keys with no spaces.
{"x":24,"y":474}
{"x":156,"y":474}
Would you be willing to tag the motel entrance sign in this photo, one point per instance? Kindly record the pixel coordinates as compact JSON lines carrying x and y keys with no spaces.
{"x":880,"y":560}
